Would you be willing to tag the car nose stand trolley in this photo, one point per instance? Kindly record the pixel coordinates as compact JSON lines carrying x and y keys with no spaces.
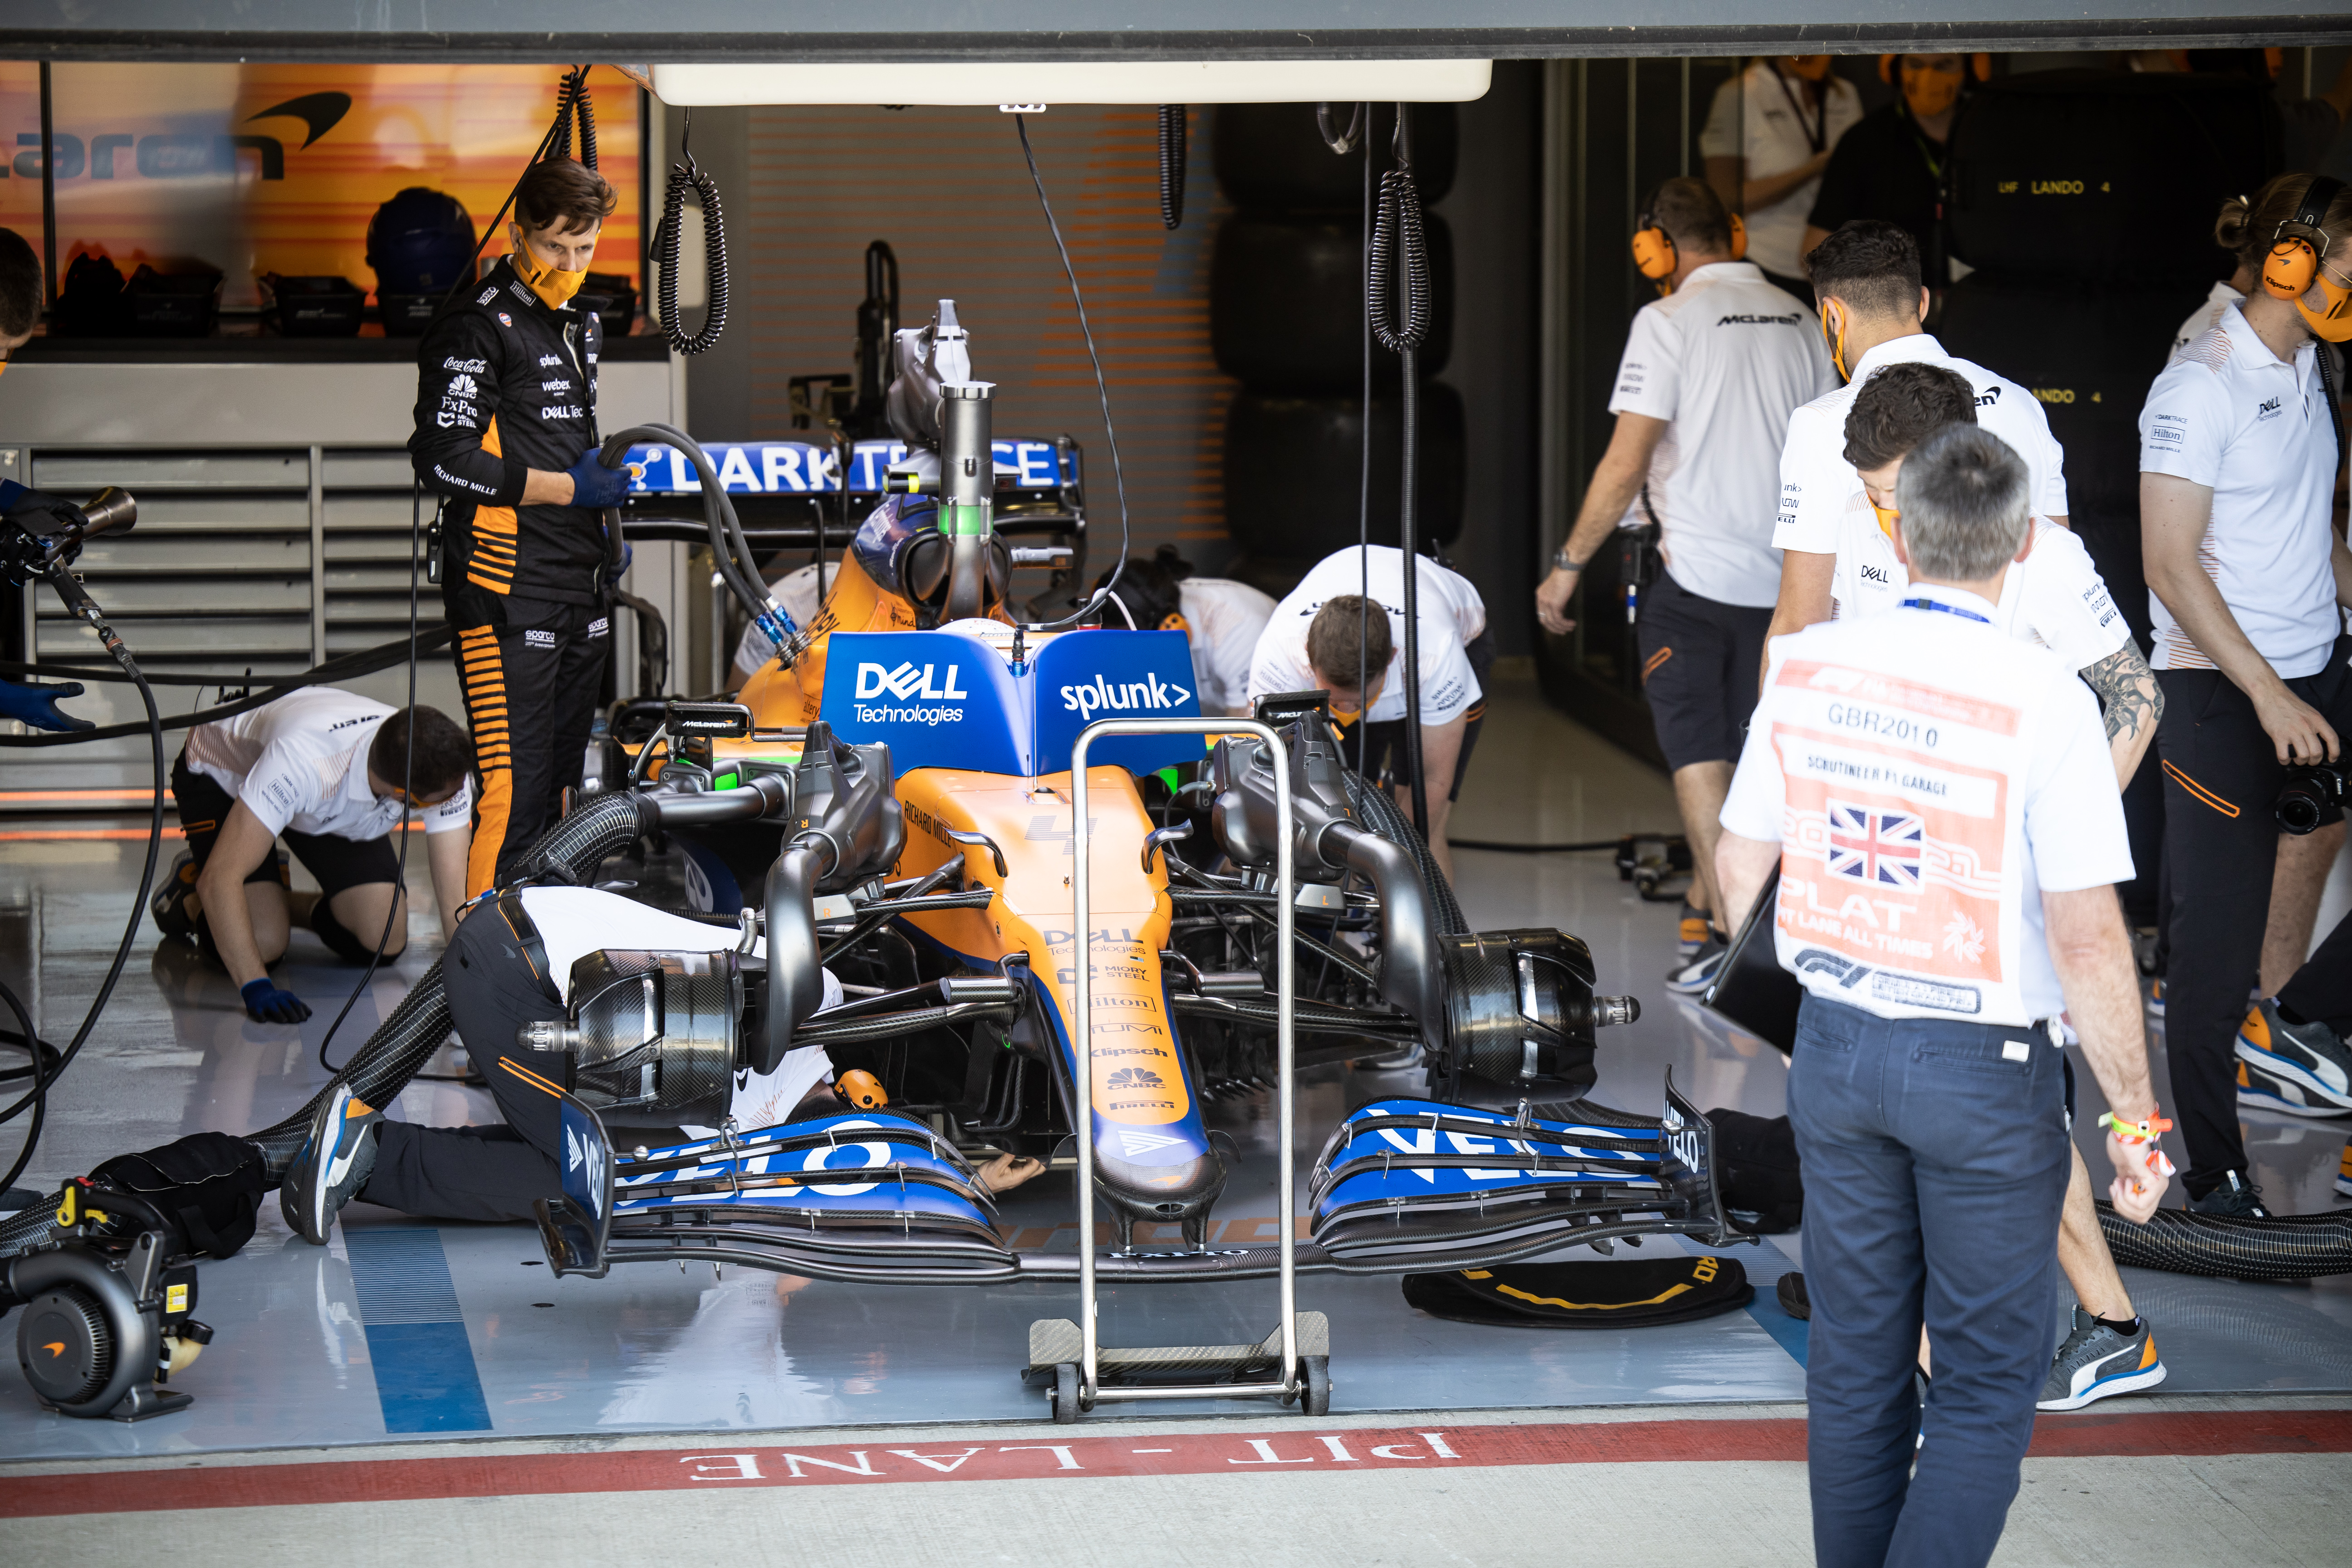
{"x":1085,"y":1371}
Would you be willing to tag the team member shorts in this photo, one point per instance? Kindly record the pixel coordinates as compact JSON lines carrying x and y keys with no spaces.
{"x":337,"y":863}
{"x":1699,"y":659}
{"x":1385,"y":757}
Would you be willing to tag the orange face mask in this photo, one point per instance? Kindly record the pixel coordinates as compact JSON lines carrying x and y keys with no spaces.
{"x":1175,"y":623}
{"x":1930,"y":90}
{"x":1886,"y":516}
{"x":1836,"y":344}
{"x":1811,"y":67}
{"x":551,"y":284}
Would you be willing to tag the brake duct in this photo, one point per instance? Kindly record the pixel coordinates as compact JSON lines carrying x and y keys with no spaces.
{"x":1503,"y":1008}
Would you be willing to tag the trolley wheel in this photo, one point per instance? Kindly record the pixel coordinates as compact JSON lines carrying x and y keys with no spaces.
{"x":1315,"y":1375}
{"x":1064,"y":1395}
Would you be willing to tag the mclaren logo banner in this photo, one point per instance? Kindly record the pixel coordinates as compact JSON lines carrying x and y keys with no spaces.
{"x":246,"y":170}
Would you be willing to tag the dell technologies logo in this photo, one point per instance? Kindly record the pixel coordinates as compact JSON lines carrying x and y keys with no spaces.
{"x":906,"y":683}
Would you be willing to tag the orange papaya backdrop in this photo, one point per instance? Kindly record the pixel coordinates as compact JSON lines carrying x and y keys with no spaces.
{"x":276,"y":168}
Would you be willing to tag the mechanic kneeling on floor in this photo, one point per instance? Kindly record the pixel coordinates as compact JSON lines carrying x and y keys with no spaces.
{"x":324,"y":768}
{"x":1327,"y":635}
{"x":1704,"y":391}
{"x":2239,"y":459}
{"x":505,"y":428}
{"x":1941,"y":802}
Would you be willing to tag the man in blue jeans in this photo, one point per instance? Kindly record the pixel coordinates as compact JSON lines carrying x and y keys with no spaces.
{"x":1944,"y":812}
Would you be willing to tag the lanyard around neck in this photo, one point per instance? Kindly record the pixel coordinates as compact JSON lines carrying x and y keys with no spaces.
{"x":1816,"y":133}
{"x":1947,"y":609}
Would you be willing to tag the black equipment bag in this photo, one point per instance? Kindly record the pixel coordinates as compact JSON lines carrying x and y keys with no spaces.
{"x":2106,"y":177}
{"x":1757,"y":1172}
{"x":1751,"y":989}
{"x":210,"y":1183}
{"x":1637,"y":1294}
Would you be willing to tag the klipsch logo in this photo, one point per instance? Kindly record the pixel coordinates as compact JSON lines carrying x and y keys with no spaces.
{"x":910,"y":683}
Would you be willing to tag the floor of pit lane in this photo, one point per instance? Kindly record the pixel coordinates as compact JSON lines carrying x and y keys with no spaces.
{"x":431,"y":1333}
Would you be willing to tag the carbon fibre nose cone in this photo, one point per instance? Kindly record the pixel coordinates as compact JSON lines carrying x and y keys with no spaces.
{"x":1160,"y":1194}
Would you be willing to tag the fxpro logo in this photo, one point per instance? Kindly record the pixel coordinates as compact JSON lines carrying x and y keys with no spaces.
{"x":1097,"y":693}
{"x":908,"y":683}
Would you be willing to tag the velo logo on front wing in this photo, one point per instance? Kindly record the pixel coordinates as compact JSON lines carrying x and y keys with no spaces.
{"x":1097,"y":693}
{"x":909,"y":684}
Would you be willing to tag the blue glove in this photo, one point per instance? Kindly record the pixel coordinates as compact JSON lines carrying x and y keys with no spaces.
{"x":36,"y":704}
{"x":595,"y":485}
{"x":616,"y":570}
{"x":265,"y":1003}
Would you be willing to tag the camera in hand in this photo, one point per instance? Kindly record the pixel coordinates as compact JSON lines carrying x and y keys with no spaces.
{"x":2311,"y":788}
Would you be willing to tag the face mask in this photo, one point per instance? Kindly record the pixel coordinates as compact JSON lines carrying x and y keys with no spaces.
{"x":1811,"y":67}
{"x":1929,"y":92}
{"x":1886,"y":516}
{"x":2333,"y":319}
{"x":1175,"y":623}
{"x":1836,"y":344}
{"x":554,"y":285}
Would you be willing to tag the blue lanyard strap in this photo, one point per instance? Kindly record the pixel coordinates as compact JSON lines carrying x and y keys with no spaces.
{"x":1947,"y":609}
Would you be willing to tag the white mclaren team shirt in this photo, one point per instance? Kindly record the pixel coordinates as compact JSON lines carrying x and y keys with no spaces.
{"x":2054,"y":596}
{"x":1817,"y":484}
{"x":1452,"y":614}
{"x":1928,"y":778}
{"x":1223,"y":621}
{"x":1723,"y":359}
{"x":301,"y":762}
{"x":573,"y":922}
{"x":1757,"y":117}
{"x":2229,"y":414}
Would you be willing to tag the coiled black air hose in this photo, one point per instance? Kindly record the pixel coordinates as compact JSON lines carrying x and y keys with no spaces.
{"x":572,"y":100}
{"x":671,"y":234}
{"x":2285,"y":1246}
{"x":1172,"y":164}
{"x":1400,"y":255}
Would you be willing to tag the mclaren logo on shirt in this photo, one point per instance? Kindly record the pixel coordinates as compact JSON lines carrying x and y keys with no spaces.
{"x":1756,"y":320}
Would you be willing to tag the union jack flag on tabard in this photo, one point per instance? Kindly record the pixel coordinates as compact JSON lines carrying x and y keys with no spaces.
{"x":1880,"y":848}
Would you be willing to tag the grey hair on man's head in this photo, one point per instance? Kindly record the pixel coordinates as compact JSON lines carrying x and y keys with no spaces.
{"x":1963,"y":494}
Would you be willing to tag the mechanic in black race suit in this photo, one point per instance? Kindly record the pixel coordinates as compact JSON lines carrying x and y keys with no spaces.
{"x":505,"y":428}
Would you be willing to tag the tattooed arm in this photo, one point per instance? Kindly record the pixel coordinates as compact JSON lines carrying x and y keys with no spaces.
{"x":2132,"y":701}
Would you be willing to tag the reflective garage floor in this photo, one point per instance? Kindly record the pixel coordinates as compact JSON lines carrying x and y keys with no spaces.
{"x":405,"y":1330}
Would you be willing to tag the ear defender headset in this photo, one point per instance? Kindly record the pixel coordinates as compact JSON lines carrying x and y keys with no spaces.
{"x":2298,"y":246}
{"x":1654,"y":248}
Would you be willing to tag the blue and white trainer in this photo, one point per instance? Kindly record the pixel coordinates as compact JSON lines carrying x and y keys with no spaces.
{"x":334,"y":1165}
{"x":2097,"y":1362}
{"x":2307,"y":1055}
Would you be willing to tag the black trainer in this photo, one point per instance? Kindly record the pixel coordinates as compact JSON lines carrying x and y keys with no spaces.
{"x":2235,"y":1198}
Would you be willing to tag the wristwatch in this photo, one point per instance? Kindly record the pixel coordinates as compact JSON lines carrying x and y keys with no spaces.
{"x":1560,"y":563}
